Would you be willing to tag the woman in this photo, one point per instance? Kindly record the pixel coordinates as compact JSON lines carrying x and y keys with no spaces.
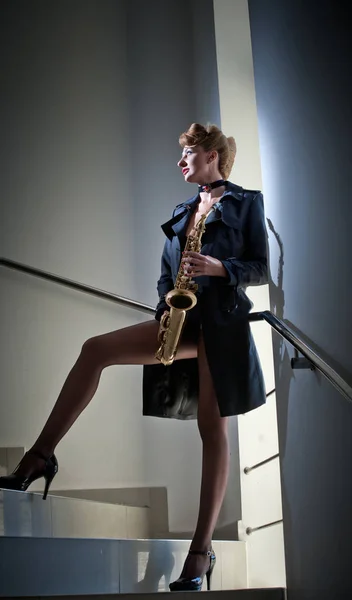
{"x":220,"y":374}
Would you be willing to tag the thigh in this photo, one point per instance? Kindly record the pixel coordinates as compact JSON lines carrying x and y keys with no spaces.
{"x":208,"y":408}
{"x":136,"y":345}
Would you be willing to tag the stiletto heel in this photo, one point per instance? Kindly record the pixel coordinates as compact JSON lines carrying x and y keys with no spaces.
{"x":195,"y":585}
{"x":22,"y":482}
{"x":48,"y":482}
{"x":209,"y":573}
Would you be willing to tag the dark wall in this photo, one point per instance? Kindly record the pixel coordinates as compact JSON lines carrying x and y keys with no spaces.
{"x":303,"y":85}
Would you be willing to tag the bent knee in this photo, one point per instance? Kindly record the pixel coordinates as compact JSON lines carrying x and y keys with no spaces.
{"x":90,"y":347}
{"x":93,"y":351}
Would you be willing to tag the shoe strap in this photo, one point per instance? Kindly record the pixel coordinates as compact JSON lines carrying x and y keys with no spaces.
{"x":38,"y":454}
{"x":201,"y":553}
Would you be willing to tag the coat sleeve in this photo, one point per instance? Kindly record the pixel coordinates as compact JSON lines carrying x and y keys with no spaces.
{"x":165,"y":282}
{"x":252,"y":269}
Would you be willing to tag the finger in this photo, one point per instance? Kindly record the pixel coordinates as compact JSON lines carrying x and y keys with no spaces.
{"x":193,"y":261}
{"x":190,"y":254}
{"x":188,"y":270}
{"x":197,"y":272}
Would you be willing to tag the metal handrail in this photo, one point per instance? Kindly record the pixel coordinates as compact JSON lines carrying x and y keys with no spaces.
{"x":288,"y":334}
{"x":250,"y":530}
{"x":247,"y":470}
{"x":75,"y":285}
{"x":279,"y":326}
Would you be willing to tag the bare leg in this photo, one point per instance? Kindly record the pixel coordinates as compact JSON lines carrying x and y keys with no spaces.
{"x":135,"y":345}
{"x":213,"y":430}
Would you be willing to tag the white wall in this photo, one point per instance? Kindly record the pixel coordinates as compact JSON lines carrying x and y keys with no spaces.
{"x":95,"y":95}
{"x":65,"y":209}
{"x":260,"y":490}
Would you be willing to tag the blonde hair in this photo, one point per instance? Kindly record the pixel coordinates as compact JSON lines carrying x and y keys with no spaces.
{"x":211,"y":138}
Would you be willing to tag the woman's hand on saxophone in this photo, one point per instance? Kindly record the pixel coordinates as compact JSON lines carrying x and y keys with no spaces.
{"x":196,"y":265}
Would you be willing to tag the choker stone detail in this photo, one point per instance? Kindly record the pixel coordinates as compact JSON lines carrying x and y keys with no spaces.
{"x":207,"y":187}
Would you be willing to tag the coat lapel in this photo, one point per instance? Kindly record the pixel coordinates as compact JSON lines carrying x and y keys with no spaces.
{"x":226,"y":210}
{"x":179,"y":221}
{"x":175,"y":225}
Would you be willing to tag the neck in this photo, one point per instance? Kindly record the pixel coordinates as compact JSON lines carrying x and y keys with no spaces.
{"x":211,"y":191}
{"x":213,"y":196}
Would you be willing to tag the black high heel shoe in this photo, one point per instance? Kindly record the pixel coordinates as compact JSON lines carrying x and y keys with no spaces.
{"x":195,"y":585}
{"x":21,"y":482}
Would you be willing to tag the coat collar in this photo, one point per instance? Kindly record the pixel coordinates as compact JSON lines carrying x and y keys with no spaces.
{"x":226,"y":211}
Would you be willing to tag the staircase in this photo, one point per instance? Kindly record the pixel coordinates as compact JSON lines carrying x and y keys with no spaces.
{"x":77,"y":548}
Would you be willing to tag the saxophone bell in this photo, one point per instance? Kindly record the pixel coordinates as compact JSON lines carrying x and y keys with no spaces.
{"x":181,"y":299}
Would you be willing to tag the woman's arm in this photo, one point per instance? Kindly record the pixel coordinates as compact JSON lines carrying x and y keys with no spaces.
{"x":252,"y":268}
{"x":165,"y":282}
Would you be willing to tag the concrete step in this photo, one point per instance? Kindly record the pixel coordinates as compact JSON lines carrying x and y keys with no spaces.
{"x":154,"y":498}
{"x":38,"y":566}
{"x":25,"y":514}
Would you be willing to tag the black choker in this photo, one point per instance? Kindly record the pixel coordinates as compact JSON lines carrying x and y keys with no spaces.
{"x":207,"y":187}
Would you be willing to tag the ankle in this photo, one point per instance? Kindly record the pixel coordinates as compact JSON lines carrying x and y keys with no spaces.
{"x":200,"y":546}
{"x":40,"y":452}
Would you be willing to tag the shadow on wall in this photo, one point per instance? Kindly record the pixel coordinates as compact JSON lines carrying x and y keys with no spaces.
{"x":283,"y":370}
{"x":159,"y":565}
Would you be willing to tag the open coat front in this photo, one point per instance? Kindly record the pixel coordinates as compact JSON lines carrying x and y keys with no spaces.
{"x":235,"y":234}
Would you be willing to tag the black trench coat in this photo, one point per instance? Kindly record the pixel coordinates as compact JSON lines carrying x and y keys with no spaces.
{"x":235,"y":234}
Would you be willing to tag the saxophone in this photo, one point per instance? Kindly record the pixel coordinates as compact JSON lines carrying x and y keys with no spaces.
{"x":181,"y":299}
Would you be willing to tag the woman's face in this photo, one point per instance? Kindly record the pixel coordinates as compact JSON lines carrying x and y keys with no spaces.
{"x":197,"y":164}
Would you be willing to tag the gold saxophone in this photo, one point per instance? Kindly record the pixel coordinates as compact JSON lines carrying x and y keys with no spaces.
{"x":181,"y":299}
